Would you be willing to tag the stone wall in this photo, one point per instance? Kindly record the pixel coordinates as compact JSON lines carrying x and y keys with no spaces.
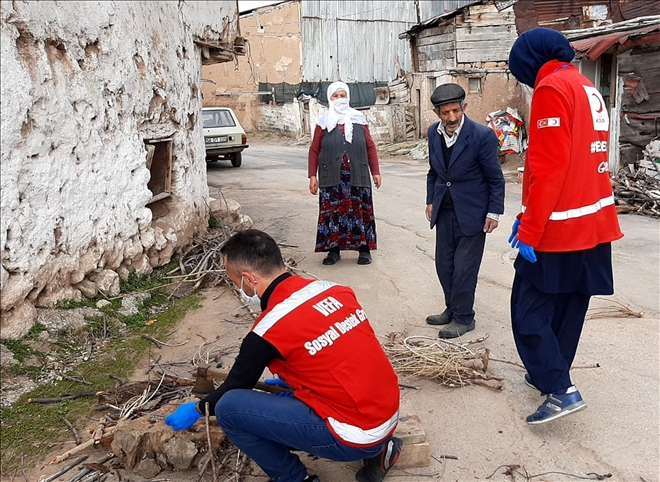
{"x":283,"y":118}
{"x":84,"y":84}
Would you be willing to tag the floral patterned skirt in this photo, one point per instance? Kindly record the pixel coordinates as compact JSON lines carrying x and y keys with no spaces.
{"x":346,"y":216}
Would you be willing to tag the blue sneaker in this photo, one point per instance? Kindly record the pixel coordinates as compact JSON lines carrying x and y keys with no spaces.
{"x":557,"y":406}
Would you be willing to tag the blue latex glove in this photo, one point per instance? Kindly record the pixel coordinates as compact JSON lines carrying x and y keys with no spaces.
{"x":514,"y":229}
{"x":277,"y":382}
{"x":184,"y":417}
{"x":525,"y":250}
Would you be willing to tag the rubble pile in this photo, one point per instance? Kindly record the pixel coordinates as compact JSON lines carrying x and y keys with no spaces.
{"x":637,"y":189}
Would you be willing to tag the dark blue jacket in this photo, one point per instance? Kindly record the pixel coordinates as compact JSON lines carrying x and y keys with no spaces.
{"x":474,"y":177}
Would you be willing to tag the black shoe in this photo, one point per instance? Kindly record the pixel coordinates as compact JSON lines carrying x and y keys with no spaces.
{"x":331,"y":258}
{"x":364,"y":257}
{"x":443,"y":318}
{"x":454,"y":330}
{"x":376,"y":468}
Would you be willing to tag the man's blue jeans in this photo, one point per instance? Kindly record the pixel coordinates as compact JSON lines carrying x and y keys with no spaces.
{"x":266,"y":427}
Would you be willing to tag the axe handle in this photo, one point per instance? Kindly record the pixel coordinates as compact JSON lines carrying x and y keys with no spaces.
{"x":221,"y":375}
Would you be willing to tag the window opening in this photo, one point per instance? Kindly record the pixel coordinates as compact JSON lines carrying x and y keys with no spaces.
{"x":159,"y":163}
{"x":474,"y":85}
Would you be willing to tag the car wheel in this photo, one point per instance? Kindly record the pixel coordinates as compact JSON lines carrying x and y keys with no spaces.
{"x":237,"y":159}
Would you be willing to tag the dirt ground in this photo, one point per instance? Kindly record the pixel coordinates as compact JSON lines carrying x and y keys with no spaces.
{"x":616,"y":369}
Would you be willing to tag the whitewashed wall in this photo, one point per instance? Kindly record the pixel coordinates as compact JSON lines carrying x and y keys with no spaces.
{"x":83,"y":84}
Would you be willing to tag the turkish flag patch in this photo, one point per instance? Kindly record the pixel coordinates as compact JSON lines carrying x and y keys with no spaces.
{"x":548,"y":122}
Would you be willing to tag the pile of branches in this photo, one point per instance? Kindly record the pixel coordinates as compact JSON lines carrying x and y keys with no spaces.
{"x":636,"y":191}
{"x":202,"y":263}
{"x":451,"y":364}
{"x":133,"y":401}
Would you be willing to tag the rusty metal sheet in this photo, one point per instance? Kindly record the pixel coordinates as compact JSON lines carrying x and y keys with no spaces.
{"x":594,"y":47}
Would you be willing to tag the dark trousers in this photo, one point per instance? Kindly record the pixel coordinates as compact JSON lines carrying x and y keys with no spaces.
{"x":546,"y":329}
{"x":457,"y":262}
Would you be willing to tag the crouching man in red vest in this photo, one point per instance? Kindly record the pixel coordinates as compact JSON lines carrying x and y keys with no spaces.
{"x":316,"y":337}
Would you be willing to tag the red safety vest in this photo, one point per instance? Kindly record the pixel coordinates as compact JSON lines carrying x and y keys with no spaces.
{"x":332,"y":358}
{"x":567,"y":199}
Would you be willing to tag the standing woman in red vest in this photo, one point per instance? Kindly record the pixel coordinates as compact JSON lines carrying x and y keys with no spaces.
{"x":344,"y":156}
{"x":567,"y":222}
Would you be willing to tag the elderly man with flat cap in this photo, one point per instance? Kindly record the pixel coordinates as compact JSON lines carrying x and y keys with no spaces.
{"x":464,"y":198}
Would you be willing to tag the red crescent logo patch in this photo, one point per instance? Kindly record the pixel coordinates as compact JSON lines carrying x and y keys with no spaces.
{"x":600,"y":104}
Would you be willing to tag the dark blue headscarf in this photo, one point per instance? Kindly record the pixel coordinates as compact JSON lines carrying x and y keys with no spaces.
{"x":533,"y":49}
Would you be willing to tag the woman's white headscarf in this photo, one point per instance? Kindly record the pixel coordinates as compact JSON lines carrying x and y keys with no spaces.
{"x":340,"y":112}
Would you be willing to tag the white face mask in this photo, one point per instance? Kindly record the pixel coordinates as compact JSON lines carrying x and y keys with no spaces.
{"x":340,"y":104}
{"x":250,"y":300}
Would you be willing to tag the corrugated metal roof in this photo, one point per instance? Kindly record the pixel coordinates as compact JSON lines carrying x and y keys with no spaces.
{"x":594,"y":47}
{"x":433,"y":21}
{"x":433,"y":8}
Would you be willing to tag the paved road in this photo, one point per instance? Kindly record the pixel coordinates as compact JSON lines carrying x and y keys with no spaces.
{"x":618,"y":434}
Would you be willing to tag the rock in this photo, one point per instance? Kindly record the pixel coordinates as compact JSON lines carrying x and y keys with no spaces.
{"x":14,"y":290}
{"x":87,"y":288}
{"x":102,"y":303}
{"x":142,"y":266}
{"x":147,"y":238}
{"x":52,"y":294}
{"x":87,"y":262}
{"x":147,"y":468}
{"x":107,"y":281}
{"x":16,"y":323}
{"x":6,"y":356}
{"x":4,"y":276}
{"x":113,"y":257}
{"x":130,"y":305}
{"x":58,"y":321}
{"x":180,"y":453}
{"x":132,"y":249}
{"x":420,"y":152}
{"x":148,"y":438}
{"x":245,"y":221}
{"x":14,"y":388}
{"x":123,"y":272}
{"x":226,"y":209}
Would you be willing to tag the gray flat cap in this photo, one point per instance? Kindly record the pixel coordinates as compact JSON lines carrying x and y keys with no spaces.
{"x":447,"y":94}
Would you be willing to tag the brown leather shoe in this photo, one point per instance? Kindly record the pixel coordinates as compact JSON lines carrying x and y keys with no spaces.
{"x":454,"y":330}
{"x":443,"y":318}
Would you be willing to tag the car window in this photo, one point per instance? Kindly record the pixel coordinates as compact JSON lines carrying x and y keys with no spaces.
{"x":217,"y":118}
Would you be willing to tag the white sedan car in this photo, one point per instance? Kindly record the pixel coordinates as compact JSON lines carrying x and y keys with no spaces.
{"x":223,"y":135}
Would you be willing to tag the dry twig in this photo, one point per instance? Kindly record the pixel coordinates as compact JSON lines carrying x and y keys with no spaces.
{"x":73,"y":430}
